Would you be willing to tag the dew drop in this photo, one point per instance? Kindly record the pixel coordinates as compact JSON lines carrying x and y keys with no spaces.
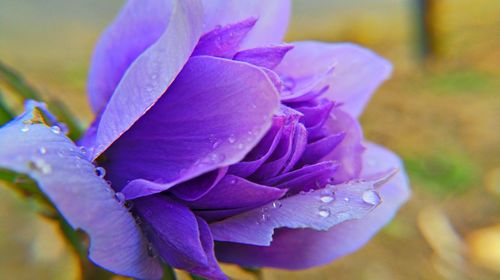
{"x":41,"y":166}
{"x":327,"y":196}
{"x":56,"y":129}
{"x":42,"y":150}
{"x":371,"y":197}
{"x":83,"y":150}
{"x":264,"y":217}
{"x":233,"y":181}
{"x":120,"y":197}
{"x":277,"y":204}
{"x":231,"y":139}
{"x":216,"y":144}
{"x":100,"y":171}
{"x":324,"y":211}
{"x":240,"y":146}
{"x":25,"y":129}
{"x":346,"y":199}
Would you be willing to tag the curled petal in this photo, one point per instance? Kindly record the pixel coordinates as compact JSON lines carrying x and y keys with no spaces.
{"x":357,"y":72}
{"x":69,"y":180}
{"x":149,"y":76}
{"x":272,"y":18}
{"x":321,"y":247}
{"x":319,"y":210}
{"x":209,"y":118}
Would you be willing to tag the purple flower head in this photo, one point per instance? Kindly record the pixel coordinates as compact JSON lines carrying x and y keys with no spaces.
{"x":223,"y":142}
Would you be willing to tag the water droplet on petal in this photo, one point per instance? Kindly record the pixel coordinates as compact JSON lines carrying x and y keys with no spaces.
{"x":120,"y":197}
{"x":100,"y":171}
{"x":277,"y":204}
{"x":233,"y":181}
{"x":240,"y":146}
{"x":56,"y":129}
{"x":324,"y":211}
{"x":25,"y":129}
{"x":83,"y":150}
{"x":346,"y":199}
{"x":42,"y":150}
{"x":216,"y":144}
{"x":231,"y":139}
{"x":371,"y":197}
{"x":41,"y":166}
{"x":264,"y":217}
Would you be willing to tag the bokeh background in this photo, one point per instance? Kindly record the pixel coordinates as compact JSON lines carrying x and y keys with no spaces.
{"x":440,"y":112}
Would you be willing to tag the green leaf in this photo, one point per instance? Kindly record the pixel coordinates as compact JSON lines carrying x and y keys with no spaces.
{"x":5,"y":113}
{"x":16,"y":83}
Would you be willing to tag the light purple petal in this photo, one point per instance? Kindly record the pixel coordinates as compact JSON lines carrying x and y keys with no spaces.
{"x":84,"y":199}
{"x":212,"y":116}
{"x":267,"y":57}
{"x":236,"y":192}
{"x":319,"y":209}
{"x":224,"y":41}
{"x":149,"y":76}
{"x":350,"y":150}
{"x":136,"y":28}
{"x":272,"y":18}
{"x":357,"y":73}
{"x":304,"y":248}
{"x":174,"y":231}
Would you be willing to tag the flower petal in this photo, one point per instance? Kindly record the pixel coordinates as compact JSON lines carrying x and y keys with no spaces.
{"x":307,"y":210}
{"x":115,"y":51}
{"x":272,"y":18}
{"x":267,"y":57}
{"x":224,"y":41}
{"x":69,"y":181}
{"x":357,"y":73}
{"x":212,"y":116}
{"x":176,"y":236}
{"x":198,"y":186}
{"x":236,"y":192}
{"x":321,"y":247}
{"x":149,"y":76}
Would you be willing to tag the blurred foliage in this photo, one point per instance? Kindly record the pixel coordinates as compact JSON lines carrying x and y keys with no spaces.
{"x":443,"y":172}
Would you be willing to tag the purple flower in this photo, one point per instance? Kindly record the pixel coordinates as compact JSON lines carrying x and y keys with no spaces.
{"x":212,"y":129}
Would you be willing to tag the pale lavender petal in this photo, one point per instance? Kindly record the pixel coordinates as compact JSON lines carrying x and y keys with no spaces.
{"x":69,"y":180}
{"x":319,"y":209}
{"x":321,"y":247}
{"x":272,"y":18}
{"x":357,"y":73}
{"x":224,"y":41}
{"x":149,"y":76}
{"x":116,"y":50}
{"x":267,"y":57}
{"x":177,"y":239}
{"x":188,"y":130}
{"x":350,"y":150}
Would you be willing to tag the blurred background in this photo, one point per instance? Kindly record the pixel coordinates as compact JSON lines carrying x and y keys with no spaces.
{"x":440,"y":112}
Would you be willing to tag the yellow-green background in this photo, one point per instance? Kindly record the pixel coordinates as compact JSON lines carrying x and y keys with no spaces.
{"x":441,"y":116}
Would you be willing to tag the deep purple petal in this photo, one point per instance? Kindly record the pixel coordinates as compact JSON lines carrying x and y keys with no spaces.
{"x":177,"y":239}
{"x":84,"y":199}
{"x":319,"y":209}
{"x":307,"y":178}
{"x":304,"y":248}
{"x":149,"y":76}
{"x":267,"y":57}
{"x":357,"y":71}
{"x":236,"y":192}
{"x":316,"y":151}
{"x":224,"y":41}
{"x":212,"y":116}
{"x":260,"y":153}
{"x":315,"y":116}
{"x":199,"y":186}
{"x":115,"y":51}
{"x":272,"y":18}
